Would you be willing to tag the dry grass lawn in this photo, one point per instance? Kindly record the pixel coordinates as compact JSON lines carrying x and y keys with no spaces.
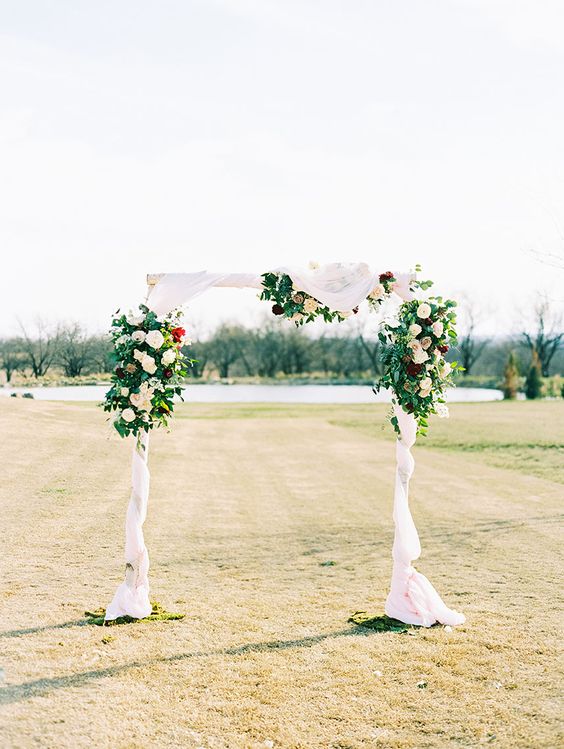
{"x":248,"y":505}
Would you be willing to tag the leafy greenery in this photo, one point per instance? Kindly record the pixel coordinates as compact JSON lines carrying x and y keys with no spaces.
{"x":413,"y":358}
{"x":150,"y":370}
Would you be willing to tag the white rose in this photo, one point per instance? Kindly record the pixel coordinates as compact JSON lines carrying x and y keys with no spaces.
{"x":169,"y":356}
{"x":137,"y":354}
{"x":425,"y":393}
{"x":423,"y":311}
{"x":154,"y":338}
{"x":438,"y":328}
{"x":420,"y":356}
{"x":426,"y":342}
{"x":121,"y":340}
{"x":415,"y":329}
{"x":128,"y":414}
{"x":138,"y":336}
{"x":426,"y":383}
{"x":442,"y":411}
{"x":444,"y":369}
{"x":125,"y":391}
{"x":148,"y":364}
{"x":378,"y":292}
{"x":135,"y":319}
{"x":415,"y":345}
{"x":310,"y":305}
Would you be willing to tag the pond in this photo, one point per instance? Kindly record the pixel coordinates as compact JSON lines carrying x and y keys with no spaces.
{"x":258,"y":394}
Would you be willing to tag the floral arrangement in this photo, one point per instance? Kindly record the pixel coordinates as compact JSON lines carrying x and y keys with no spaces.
{"x":150,"y":369}
{"x":300,"y":307}
{"x":415,"y":369}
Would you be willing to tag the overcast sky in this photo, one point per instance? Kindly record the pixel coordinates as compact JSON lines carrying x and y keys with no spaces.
{"x":240,"y":135}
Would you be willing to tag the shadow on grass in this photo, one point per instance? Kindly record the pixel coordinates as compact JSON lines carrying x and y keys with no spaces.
{"x":34,"y":630}
{"x":381,"y":623}
{"x":41,"y":687}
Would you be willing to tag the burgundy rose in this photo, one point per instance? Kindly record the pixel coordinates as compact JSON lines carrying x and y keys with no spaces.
{"x":408,"y":407}
{"x":443,"y":349}
{"x":387,"y":276}
{"x":162,"y":410}
{"x":414,"y":369}
{"x":355,"y":310}
{"x":277,"y":309}
{"x":167,"y":373}
{"x":428,"y":321}
{"x":120,"y":373}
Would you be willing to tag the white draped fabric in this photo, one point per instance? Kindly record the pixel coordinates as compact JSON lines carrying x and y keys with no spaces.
{"x":340,"y":286}
{"x":132,"y":596}
{"x":412,"y":598}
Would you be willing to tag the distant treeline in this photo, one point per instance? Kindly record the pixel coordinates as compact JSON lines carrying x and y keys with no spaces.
{"x":274,"y":350}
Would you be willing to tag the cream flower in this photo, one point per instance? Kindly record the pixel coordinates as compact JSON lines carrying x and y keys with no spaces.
{"x":423,"y":311}
{"x":169,"y":356}
{"x":138,"y":336}
{"x":346,"y":314}
{"x":426,"y":383}
{"x":444,"y":369}
{"x":298,"y":298}
{"x":419,"y":356}
{"x":142,"y":399}
{"x":415,"y":345}
{"x":148,"y":364}
{"x":135,"y":319}
{"x":310,"y":305}
{"x":442,"y":411}
{"x":154,"y":338}
{"x":137,"y":354}
{"x":426,"y":342}
{"x":378,"y":292}
{"x":415,"y":329}
{"x":296,"y":317}
{"x":125,"y":392}
{"x":438,"y":328}
{"x":128,"y":414}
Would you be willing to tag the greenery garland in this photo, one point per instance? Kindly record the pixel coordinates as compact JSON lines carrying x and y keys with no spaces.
{"x":414,"y":344}
{"x":300,"y":307}
{"x":150,"y":369}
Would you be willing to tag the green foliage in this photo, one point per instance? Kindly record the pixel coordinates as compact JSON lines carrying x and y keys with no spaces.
{"x":511,"y":377}
{"x":533,"y":383}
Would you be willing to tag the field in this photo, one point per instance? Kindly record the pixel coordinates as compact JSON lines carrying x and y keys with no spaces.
{"x":269,"y":526}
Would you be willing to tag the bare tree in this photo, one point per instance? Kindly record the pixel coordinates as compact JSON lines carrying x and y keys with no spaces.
{"x":470,"y":347}
{"x":11,"y":357}
{"x":75,"y":349}
{"x":548,"y":335}
{"x":40,"y":347}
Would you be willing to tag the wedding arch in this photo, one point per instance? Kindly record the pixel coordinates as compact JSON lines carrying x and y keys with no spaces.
{"x":151,"y":364}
